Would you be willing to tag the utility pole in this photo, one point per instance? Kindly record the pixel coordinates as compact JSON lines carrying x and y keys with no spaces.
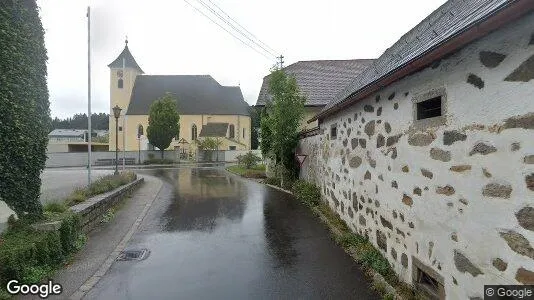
{"x":281,"y":62}
{"x":89,"y":95}
{"x":124,"y":121}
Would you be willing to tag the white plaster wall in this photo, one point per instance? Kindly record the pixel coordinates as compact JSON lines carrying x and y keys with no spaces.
{"x":231,"y":155}
{"x":436,"y":217}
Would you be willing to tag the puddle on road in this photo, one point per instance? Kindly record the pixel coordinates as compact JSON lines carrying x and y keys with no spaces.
{"x":203,"y":198}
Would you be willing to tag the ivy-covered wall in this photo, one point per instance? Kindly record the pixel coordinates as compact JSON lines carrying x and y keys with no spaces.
{"x":24,"y":106}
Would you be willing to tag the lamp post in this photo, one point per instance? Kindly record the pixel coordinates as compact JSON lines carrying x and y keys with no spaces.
{"x":117,"y":114}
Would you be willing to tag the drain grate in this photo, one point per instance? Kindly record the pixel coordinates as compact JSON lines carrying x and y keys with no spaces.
{"x":128,"y":255}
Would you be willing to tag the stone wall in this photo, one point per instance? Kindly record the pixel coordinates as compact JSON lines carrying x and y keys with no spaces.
{"x":93,"y":209}
{"x":455,"y":194}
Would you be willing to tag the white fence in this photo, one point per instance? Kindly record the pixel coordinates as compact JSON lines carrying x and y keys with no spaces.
{"x":79,"y":159}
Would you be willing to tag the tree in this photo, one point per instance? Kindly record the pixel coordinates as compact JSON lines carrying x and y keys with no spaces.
{"x":101,"y":139}
{"x":24,"y":107}
{"x":163,"y":122}
{"x":79,"y":121}
{"x":255,"y":120}
{"x":208,"y":143}
{"x":265,"y":133}
{"x":281,"y":121}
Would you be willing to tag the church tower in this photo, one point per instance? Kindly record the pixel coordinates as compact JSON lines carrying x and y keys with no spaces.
{"x":123,"y":71}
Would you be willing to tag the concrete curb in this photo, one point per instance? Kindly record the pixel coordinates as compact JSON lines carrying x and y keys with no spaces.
{"x":278,"y":188}
{"x":93,"y":280}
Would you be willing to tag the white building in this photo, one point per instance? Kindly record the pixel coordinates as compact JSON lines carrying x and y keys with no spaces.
{"x":430,"y":151}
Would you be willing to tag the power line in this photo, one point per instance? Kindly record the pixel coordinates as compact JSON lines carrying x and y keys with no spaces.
{"x":222,"y":27}
{"x":250,"y":33}
{"x":222,"y":18}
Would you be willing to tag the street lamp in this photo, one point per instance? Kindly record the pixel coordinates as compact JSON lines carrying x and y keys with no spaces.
{"x":117,"y":114}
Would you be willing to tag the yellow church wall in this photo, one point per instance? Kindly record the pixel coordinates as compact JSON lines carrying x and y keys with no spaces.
{"x":121,"y":97}
{"x":186,"y":123}
{"x":127,"y":136}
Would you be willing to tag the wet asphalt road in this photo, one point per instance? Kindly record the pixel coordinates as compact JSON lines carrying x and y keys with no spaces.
{"x":57,"y":184}
{"x":216,"y":236}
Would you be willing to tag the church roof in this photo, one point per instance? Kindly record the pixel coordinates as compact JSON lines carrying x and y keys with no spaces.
{"x":214,"y":130}
{"x":196,"y":94}
{"x":125,"y":59}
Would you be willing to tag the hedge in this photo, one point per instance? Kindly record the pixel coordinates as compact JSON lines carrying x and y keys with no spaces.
{"x":24,"y":107}
{"x":29,"y":255}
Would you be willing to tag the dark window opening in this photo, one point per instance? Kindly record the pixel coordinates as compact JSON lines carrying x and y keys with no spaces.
{"x":333,"y":132}
{"x":120,"y":128}
{"x":232,"y":147}
{"x":243,"y":132}
{"x":232,"y":131}
{"x":120,"y":84}
{"x":428,"y":284}
{"x":430,"y":108}
{"x":193,"y":132}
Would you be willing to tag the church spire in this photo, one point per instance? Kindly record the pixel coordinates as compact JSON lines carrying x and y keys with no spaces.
{"x":126,"y":59}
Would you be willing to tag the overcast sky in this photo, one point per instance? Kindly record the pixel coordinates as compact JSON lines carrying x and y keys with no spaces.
{"x":170,"y":37}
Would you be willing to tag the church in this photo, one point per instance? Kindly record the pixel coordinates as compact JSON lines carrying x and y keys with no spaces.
{"x":206,"y":108}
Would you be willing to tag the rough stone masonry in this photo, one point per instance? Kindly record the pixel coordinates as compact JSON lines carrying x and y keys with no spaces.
{"x":464,"y":186}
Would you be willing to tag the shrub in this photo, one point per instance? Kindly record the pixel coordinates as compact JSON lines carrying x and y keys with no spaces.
{"x":306,"y":192}
{"x":272,"y":181}
{"x":248,"y":160}
{"x":29,"y":255}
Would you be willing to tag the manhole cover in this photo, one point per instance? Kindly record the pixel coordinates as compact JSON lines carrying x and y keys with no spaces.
{"x":127,"y":255}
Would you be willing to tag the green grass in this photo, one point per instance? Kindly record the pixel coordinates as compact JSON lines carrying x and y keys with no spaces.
{"x":55,"y":207}
{"x":365,"y":253}
{"x":257,"y":171}
{"x":102,"y":185}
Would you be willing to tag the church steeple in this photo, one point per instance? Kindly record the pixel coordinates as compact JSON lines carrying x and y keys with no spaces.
{"x":126,"y":60}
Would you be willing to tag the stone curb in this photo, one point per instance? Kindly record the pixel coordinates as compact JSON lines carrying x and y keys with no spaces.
{"x":93,"y":280}
{"x":92,"y":209}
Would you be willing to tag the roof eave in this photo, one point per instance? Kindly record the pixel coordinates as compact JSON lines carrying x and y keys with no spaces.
{"x":511,"y":11}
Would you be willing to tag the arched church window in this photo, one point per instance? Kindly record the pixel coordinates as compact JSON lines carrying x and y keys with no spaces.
{"x":140,"y":130}
{"x":193,"y":132}
{"x":232,"y":131}
{"x":120,"y":83}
